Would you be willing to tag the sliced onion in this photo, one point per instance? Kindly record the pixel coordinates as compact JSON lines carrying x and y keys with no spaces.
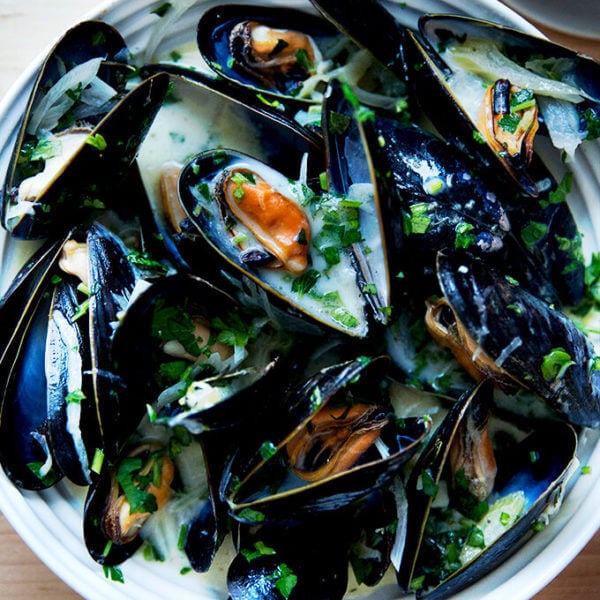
{"x":484,"y":58}
{"x":49,"y":109}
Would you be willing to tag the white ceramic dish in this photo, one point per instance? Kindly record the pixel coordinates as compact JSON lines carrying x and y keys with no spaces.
{"x":50,"y":522}
{"x":580,"y":17}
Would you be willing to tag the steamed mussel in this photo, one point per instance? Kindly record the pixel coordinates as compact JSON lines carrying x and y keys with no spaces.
{"x":504,"y":86}
{"x":288,"y":56}
{"x":81,"y":121}
{"x":475,"y":492}
{"x":311,"y":340}
{"x":225,"y":193}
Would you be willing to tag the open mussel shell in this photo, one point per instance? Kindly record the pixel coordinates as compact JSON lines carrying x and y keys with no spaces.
{"x":430,"y":88}
{"x":282,"y":115}
{"x":72,"y":425}
{"x":123,"y":497}
{"x":371,"y":26}
{"x":91,"y":43}
{"x":523,"y":338}
{"x":324,"y":454}
{"x":177,"y":324}
{"x":451,"y":98}
{"x":532,"y":466}
{"x":82,"y":179}
{"x":222,"y":192}
{"x":59,"y":353}
{"x":352,"y":175}
{"x":25,"y":451}
{"x":268,"y":135}
{"x":112,"y":281}
{"x":99,"y":546}
{"x":271,"y":50}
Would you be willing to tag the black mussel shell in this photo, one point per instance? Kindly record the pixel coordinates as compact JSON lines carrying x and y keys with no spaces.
{"x":536,"y":465}
{"x":72,"y":420}
{"x":273,"y":489}
{"x":86,"y":41}
{"x":537,"y":345}
{"x":436,"y":197}
{"x":371,"y":26}
{"x":225,"y":42}
{"x":296,"y":288}
{"x":450,"y":114}
{"x":547,"y":246}
{"x":204,"y":536}
{"x":112,"y":280}
{"x":157,"y":335}
{"x":88,"y":181}
{"x":25,"y":451}
{"x":352,"y":175}
{"x":306,"y":561}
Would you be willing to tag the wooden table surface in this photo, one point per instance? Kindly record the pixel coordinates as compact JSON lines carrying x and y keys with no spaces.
{"x":26,"y":28}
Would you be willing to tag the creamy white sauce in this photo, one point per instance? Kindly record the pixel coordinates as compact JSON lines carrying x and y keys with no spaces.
{"x":195,"y":122}
{"x":65,"y":146}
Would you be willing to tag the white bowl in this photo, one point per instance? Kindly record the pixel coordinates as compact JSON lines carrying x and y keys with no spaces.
{"x":578,"y":17}
{"x":50,"y":521}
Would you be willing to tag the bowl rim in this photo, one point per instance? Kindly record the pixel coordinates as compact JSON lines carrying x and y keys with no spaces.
{"x":568,"y":533}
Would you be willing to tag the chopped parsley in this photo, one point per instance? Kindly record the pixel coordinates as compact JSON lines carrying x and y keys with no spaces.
{"x":305,"y":282}
{"x":522,"y":100}
{"x":509,"y":122}
{"x":162,"y":10}
{"x":97,"y":461}
{"x":145,"y":262}
{"x":592,"y":121}
{"x":113,"y":573}
{"x":48,"y":479}
{"x":338,"y":123}
{"x":134,"y":485}
{"x":464,"y":236}
{"x":434,"y":185}
{"x":344,"y":317}
{"x":75,"y":397}
{"x":430,"y":487}
{"x":478,"y":137}
{"x":417,"y":222}
{"x":268,"y":450}
{"x":285,"y":580}
{"x":533,"y":232}
{"x":303,"y":60}
{"x":555,"y":363}
{"x":252,"y":515}
{"x":97,"y":141}
{"x":232,"y":330}
{"x":260,"y":549}
{"x":174,"y":323}
{"x":182,"y":536}
{"x":560,"y":193}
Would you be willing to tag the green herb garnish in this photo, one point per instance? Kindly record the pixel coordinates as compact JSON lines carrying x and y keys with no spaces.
{"x":555,"y":363}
